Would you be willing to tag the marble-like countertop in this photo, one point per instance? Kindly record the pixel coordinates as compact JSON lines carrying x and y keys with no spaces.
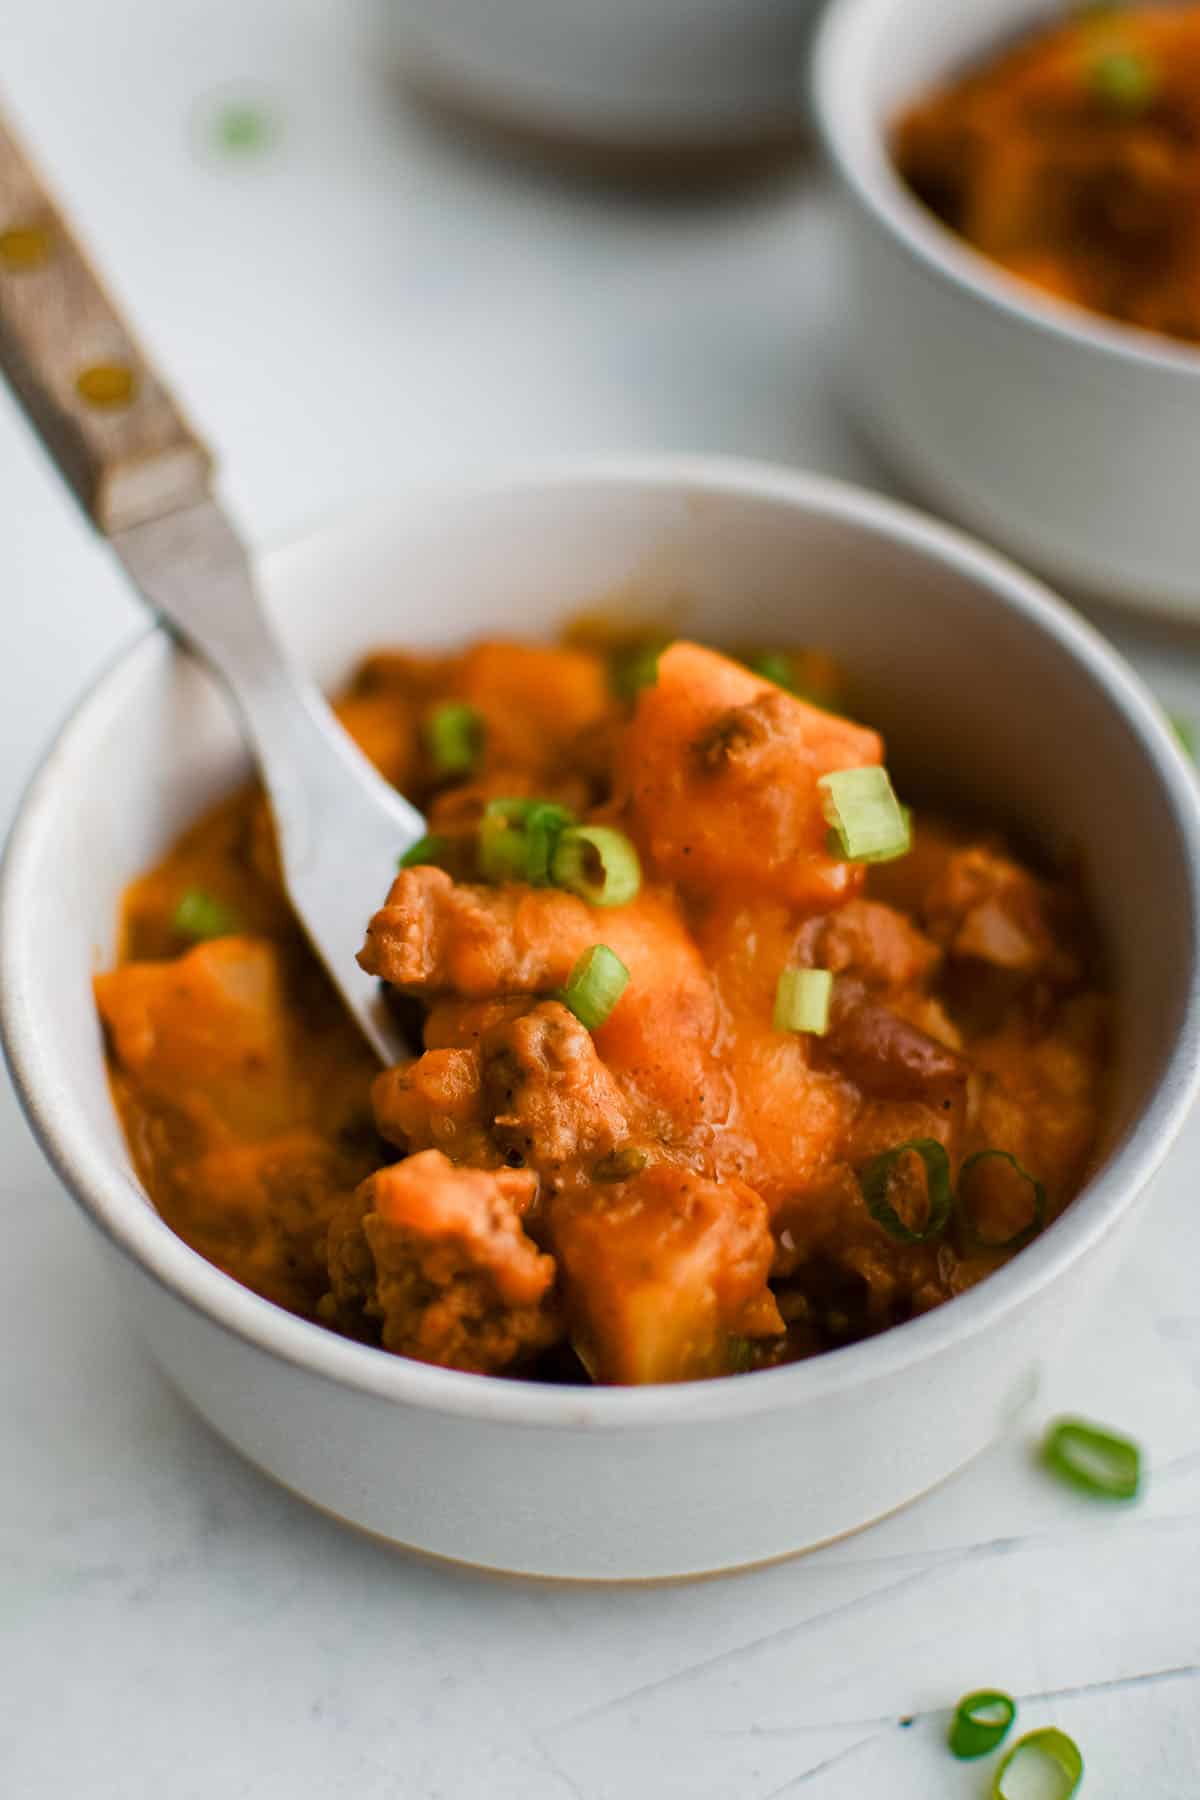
{"x":365,"y":304}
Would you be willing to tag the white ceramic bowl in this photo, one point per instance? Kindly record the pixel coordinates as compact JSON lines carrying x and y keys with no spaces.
{"x":986,"y":687}
{"x":1069,"y":440}
{"x":624,"y":72}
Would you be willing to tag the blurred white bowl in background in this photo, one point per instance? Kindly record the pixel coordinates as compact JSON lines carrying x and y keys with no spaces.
{"x":654,"y":73}
{"x":1069,"y":439}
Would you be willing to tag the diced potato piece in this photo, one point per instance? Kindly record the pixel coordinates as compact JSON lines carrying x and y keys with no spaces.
{"x":722,"y":769}
{"x":209,"y":1032}
{"x":664,"y":1274}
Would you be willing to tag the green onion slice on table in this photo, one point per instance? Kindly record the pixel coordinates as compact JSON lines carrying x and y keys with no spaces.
{"x":201,"y":916}
{"x":454,"y":738}
{"x":598,"y":863}
{"x":1093,"y":1460}
{"x":867,"y":822}
{"x":1037,"y":1196}
{"x":876,"y":1181}
{"x":981,"y":1723}
{"x":1124,"y":80}
{"x":1045,"y":1763}
{"x":595,"y":985}
{"x":802,"y":998}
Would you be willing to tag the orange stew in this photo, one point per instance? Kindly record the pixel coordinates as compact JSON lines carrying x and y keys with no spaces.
{"x":651,"y":1161}
{"x":1074,"y":161}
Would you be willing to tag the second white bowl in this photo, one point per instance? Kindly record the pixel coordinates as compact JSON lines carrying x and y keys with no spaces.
{"x":1067,"y":439}
{"x":649,"y":73}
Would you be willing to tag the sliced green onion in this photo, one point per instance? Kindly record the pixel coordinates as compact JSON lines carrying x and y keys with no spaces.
{"x":1126,"y":81}
{"x":634,"y":668}
{"x":1055,"y":1757}
{"x":869,"y":825}
{"x":1185,"y":731}
{"x":454,"y":738}
{"x":518,"y":839}
{"x":200,"y":915}
{"x":597,"y":863}
{"x":426,"y":850}
{"x":1094,"y":1460}
{"x":981,"y":1723}
{"x":876,"y":1180}
{"x":802,"y":999}
{"x":776,"y":666}
{"x":1028,"y":1232}
{"x":502,"y":852}
{"x":595,"y":985}
{"x":544,"y":826}
{"x":244,"y":128}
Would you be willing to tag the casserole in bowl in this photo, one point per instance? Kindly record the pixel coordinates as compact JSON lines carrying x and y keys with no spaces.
{"x":1036,"y":725}
{"x":1064,"y":436}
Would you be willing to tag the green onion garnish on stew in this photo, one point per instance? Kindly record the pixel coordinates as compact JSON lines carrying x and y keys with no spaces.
{"x":543,"y":826}
{"x":776,"y":666}
{"x":200,"y":915}
{"x":1050,"y":1758}
{"x":454,"y":738}
{"x":868,"y":823}
{"x":501,"y":852}
{"x":634,"y":668}
{"x":876,"y":1183}
{"x":1124,"y":80}
{"x":1037,"y":1195}
{"x":802,"y":999}
{"x":597,"y":863}
{"x":518,"y":839}
{"x":426,"y":850}
{"x":595,"y":985}
{"x":1093,"y":1460}
{"x":981,"y":1723}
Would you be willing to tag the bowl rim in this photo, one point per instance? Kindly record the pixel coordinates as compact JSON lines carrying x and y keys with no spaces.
{"x":116,"y":1204}
{"x":855,"y":140}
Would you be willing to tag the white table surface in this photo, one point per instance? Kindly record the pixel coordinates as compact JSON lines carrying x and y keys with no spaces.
{"x":362,"y":305}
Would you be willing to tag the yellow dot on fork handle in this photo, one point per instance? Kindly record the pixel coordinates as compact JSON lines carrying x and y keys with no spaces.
{"x":24,"y":247}
{"x":107,"y":385}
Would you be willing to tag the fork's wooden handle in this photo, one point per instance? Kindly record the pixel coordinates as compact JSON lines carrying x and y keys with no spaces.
{"x":109,"y":423}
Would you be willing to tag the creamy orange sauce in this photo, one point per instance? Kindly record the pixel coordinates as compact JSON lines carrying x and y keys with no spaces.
{"x":678,"y":1192}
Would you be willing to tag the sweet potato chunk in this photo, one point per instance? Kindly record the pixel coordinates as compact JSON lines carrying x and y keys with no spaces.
{"x":722,"y":770}
{"x":535,"y":699}
{"x":663,"y":1274}
{"x":209,"y":1032}
{"x":439,"y":1256}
